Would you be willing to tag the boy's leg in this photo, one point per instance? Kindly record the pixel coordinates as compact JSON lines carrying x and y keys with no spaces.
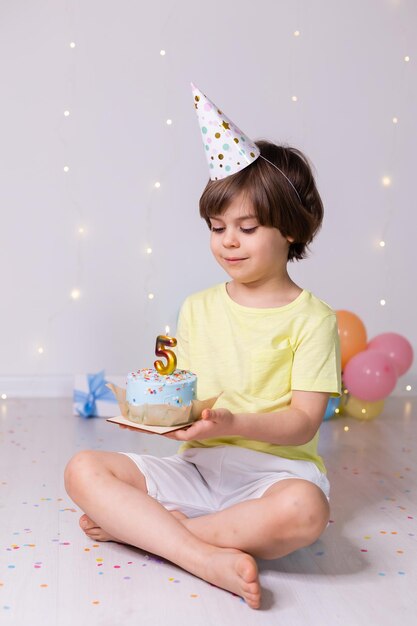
{"x":96,"y":481}
{"x":290,"y":515}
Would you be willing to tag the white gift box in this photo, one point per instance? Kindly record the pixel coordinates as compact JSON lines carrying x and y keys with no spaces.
{"x":91,"y":397}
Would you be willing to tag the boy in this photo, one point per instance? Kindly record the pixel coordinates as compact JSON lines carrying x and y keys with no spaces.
{"x":248,"y":481}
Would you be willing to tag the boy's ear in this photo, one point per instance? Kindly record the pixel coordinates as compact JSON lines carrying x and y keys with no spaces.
{"x":290,"y":239}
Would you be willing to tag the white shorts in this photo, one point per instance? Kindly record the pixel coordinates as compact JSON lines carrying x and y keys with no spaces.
{"x":200,"y":481}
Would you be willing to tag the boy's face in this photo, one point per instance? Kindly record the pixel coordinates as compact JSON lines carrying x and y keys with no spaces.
{"x":247,"y":251}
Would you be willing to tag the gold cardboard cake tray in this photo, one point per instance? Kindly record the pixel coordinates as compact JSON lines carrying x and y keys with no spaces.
{"x":159,"y":430}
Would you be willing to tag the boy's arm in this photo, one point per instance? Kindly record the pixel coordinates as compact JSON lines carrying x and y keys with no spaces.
{"x":294,"y":426}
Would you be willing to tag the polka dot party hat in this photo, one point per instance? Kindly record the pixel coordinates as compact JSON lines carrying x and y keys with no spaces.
{"x":228,"y":150}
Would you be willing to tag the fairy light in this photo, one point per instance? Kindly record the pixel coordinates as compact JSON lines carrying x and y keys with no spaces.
{"x":386,"y":181}
{"x":363,"y":411}
{"x":296,"y":33}
{"x":395,"y":120}
{"x":157,"y":185}
{"x":148,"y":250}
{"x":66,"y":113}
{"x":162,"y":53}
{"x":382,"y":244}
{"x":81,"y":230}
{"x":408,"y":388}
{"x":337,"y":411}
{"x":66,"y":168}
{"x":346,"y":428}
{"x":382,"y":302}
{"x":294,"y":98}
{"x":167,"y":330}
{"x":75,"y":294}
{"x":407,"y":59}
{"x":3,"y":396}
{"x":40,"y":350}
{"x":169,"y":122}
{"x":72,"y":44}
{"x":151,"y":296}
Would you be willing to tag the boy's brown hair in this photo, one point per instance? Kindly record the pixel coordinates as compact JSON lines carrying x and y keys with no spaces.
{"x":274,"y":200}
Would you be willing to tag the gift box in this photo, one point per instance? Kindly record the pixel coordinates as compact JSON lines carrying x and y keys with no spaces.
{"x":91,"y":397}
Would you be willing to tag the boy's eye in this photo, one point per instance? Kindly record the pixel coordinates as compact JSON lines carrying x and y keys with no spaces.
{"x":219,"y":229}
{"x":247,"y":231}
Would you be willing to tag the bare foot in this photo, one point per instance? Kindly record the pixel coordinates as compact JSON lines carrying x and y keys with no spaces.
{"x":235,"y":571}
{"x":93,"y":531}
{"x":227,"y":568}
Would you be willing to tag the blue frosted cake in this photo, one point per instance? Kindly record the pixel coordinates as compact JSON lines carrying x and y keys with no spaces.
{"x":159,"y":400}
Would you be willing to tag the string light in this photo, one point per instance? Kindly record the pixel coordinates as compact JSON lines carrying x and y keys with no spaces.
{"x":3,"y":396}
{"x":167,"y":330}
{"x":382,"y":302}
{"x":363,"y":411}
{"x":40,"y":350}
{"x":66,"y":168}
{"x":395,"y":120}
{"x":151,"y":296}
{"x":294,"y":98}
{"x":66,"y":113}
{"x":157,"y":185}
{"x":408,"y":388}
{"x":346,"y":428}
{"x":81,"y":230}
{"x":337,"y":411}
{"x":406,"y":59}
{"x":72,"y":44}
{"x":75,"y":294}
{"x":169,"y":122}
{"x":296,"y":33}
{"x":162,"y":53}
{"x":148,"y":250}
{"x":386,"y":181}
{"x":382,"y":244}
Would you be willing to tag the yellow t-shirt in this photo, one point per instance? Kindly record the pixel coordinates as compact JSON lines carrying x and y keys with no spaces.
{"x":255,"y":357}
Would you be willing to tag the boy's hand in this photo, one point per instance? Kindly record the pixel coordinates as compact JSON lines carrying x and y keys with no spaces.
{"x":213,"y":423}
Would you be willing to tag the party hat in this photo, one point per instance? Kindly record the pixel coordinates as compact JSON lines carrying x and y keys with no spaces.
{"x":228,"y":149}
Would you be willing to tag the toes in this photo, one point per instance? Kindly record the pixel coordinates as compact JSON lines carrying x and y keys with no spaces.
{"x":85,"y":521}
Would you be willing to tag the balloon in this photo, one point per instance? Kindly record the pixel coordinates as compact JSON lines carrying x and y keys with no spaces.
{"x":332,"y":405}
{"x":370,"y":375}
{"x":352,"y":334}
{"x":397,"y":347}
{"x":363,"y":410}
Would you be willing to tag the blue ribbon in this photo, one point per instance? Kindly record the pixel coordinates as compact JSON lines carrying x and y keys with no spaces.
{"x":97,"y":390}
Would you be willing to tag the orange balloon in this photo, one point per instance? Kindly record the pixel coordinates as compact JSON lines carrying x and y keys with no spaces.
{"x":352,"y":335}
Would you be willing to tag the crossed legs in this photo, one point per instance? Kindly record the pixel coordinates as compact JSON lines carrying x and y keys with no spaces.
{"x":218,"y":548}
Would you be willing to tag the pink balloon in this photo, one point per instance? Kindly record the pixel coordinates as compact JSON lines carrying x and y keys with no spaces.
{"x":370,"y":375}
{"x":397,"y":347}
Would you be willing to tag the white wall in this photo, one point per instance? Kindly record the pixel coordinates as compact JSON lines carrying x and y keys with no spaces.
{"x":348,"y":71}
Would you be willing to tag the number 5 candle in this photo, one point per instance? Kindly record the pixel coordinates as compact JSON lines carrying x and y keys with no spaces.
{"x":162,"y":341}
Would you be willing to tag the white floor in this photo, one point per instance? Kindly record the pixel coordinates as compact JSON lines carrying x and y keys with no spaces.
{"x":362,"y":572}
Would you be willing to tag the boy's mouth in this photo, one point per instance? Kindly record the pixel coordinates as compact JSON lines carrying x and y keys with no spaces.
{"x":235,"y":259}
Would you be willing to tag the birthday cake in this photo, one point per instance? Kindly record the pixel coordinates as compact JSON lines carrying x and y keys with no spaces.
{"x":148,"y":392}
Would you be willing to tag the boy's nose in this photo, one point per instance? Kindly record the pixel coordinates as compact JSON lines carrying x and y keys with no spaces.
{"x":230,"y":240}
